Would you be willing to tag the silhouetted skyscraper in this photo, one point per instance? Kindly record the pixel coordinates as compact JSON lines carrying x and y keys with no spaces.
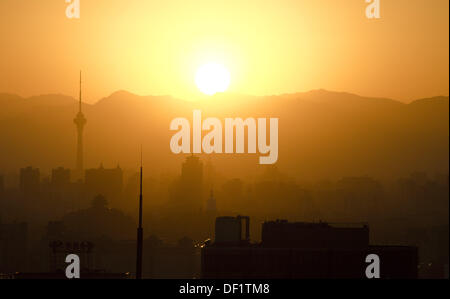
{"x":29,"y":180}
{"x":108,"y":182}
{"x":60,"y":177}
{"x":80,"y":122}
{"x":191,"y":183}
{"x":13,"y":247}
{"x":211,"y":204}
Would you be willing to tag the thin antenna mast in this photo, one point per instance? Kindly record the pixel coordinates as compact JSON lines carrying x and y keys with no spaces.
{"x":139,"y":230}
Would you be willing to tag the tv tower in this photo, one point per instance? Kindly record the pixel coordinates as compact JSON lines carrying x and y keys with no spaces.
{"x":80,"y":122}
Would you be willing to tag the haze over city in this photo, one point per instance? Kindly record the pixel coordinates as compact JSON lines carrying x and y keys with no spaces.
{"x":358,"y":163}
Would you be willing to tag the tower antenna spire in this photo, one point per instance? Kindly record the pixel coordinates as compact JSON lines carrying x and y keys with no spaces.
{"x":80,"y":90}
{"x":140,"y":229}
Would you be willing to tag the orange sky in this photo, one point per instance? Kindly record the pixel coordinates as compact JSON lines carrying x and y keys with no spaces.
{"x":270,"y":47}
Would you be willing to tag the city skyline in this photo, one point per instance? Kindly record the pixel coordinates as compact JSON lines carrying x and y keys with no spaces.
{"x":290,"y":139}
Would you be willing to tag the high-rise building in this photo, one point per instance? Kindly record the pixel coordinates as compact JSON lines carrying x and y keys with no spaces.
{"x":191,"y":184}
{"x":60,"y":177}
{"x":107,"y":182}
{"x":29,"y":180}
{"x":13,"y":247}
{"x":211,"y":203}
{"x":80,"y":122}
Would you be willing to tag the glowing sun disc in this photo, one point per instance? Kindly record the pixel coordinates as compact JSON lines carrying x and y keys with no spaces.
{"x":212,"y":78}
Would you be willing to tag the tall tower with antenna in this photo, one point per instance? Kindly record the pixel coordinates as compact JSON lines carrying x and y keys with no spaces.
{"x":80,"y":122}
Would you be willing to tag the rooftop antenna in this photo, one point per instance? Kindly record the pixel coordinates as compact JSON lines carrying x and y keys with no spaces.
{"x":80,"y":91}
{"x":139,"y":230}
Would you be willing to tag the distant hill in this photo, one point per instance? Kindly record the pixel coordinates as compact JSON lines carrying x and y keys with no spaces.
{"x":321,"y":133}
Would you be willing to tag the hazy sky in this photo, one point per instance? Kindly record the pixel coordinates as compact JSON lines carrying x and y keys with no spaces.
{"x":270,"y":47}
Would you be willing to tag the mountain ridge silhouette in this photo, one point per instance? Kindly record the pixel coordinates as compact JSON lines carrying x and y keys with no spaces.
{"x":322,"y":133}
{"x":308,"y":95}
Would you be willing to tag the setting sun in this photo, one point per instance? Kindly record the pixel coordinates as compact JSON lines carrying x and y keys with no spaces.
{"x":212,"y":78}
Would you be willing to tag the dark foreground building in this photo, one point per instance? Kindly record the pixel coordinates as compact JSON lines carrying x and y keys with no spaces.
{"x":300,"y":250}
